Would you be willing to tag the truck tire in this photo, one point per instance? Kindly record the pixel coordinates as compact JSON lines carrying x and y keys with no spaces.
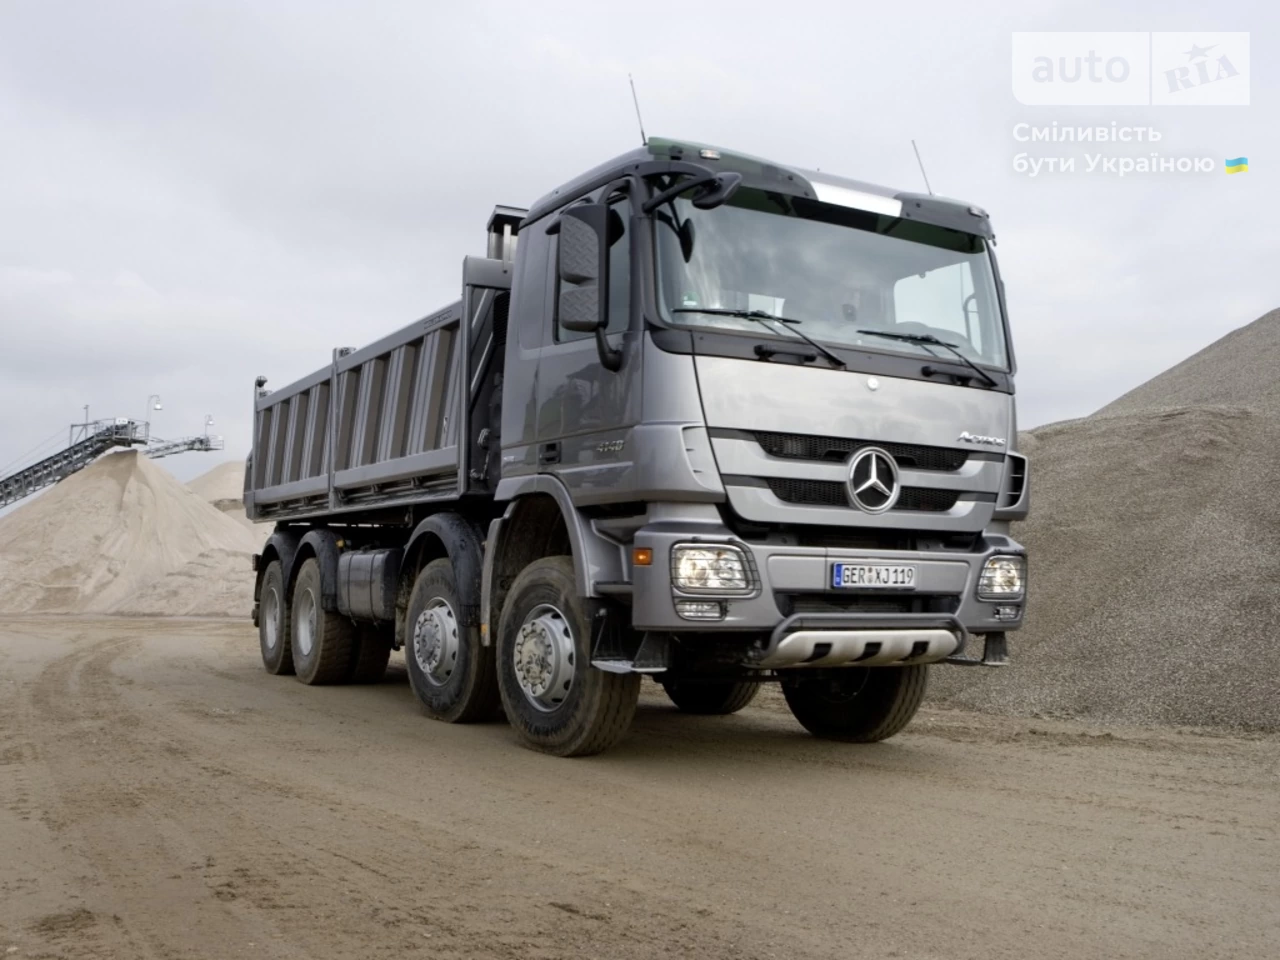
{"x":323,"y":640}
{"x":858,"y":705}
{"x":719,"y":698}
{"x":451,"y":674}
{"x":369,"y":654}
{"x":554,"y":698}
{"x":273,"y":622}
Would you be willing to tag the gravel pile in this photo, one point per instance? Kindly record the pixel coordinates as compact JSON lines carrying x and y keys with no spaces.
{"x":124,"y":536}
{"x":1155,"y":553}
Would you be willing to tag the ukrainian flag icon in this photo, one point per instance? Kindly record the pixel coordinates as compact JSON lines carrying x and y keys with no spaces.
{"x":1238,"y":165}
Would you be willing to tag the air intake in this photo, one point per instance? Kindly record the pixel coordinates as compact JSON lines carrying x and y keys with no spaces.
{"x":1015,"y":481}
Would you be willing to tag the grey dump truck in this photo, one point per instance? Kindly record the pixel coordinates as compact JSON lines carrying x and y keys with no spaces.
{"x":696,"y":415}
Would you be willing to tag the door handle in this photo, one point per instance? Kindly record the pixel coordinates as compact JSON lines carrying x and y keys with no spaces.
{"x":549,"y":453}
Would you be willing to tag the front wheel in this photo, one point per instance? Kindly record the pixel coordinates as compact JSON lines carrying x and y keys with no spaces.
{"x":716,"y":699}
{"x":554,"y":698}
{"x":857,"y":704}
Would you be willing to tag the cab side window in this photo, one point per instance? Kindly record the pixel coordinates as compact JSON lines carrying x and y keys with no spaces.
{"x":619,"y":278}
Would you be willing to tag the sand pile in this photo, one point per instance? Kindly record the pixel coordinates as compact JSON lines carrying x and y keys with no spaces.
{"x":1155,"y":546}
{"x":124,"y":536}
{"x":223,"y":486}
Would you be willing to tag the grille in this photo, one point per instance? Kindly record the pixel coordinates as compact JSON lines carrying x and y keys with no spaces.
{"x":923,"y":500}
{"x":840,"y":538}
{"x":831,"y":493}
{"x":800,"y":446}
{"x":824,"y":493}
{"x":793,"y":603}
{"x":816,"y":603}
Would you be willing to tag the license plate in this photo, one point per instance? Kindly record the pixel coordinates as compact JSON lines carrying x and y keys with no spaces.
{"x":872,"y":576}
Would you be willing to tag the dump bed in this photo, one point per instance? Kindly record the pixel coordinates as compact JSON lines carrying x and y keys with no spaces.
{"x":377,"y":424}
{"x":397,"y":422}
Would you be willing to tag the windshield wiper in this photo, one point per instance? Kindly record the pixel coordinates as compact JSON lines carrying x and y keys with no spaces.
{"x":930,"y":340}
{"x":761,"y":316}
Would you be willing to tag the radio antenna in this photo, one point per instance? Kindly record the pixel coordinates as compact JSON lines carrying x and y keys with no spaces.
{"x":636,"y":100}
{"x":922,"y":173}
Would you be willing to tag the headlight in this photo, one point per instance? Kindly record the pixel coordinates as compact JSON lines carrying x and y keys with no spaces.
{"x":1003,"y":578}
{"x":717,"y":569}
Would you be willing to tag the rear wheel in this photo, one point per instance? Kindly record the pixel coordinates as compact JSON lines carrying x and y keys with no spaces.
{"x":716,"y":698}
{"x":554,"y":698}
{"x":858,"y":704}
{"x":450,"y":672}
{"x":273,"y":622}
{"x":323,"y":640}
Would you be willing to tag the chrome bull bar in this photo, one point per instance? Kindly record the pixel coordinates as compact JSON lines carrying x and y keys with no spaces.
{"x":862,"y":639}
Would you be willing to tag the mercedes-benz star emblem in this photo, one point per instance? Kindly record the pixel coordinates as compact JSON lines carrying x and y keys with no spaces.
{"x":873,"y":480}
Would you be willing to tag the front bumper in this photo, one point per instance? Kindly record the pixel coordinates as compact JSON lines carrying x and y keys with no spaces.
{"x":791,"y":593}
{"x":868,"y":640}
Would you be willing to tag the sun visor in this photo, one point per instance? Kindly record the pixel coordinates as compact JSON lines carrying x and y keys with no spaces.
{"x":941,"y":212}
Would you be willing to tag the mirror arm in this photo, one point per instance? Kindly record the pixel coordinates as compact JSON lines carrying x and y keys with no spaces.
{"x":673,"y":191}
{"x":714,"y":187}
{"x":610,"y":359}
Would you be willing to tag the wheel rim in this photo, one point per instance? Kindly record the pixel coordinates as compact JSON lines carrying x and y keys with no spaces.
{"x":435,"y":642}
{"x":271,"y":618}
{"x":544,"y":658}
{"x":306,"y":622}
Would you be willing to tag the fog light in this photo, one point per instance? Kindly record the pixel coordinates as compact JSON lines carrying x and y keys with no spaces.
{"x":1003,"y":578}
{"x":1008,"y":613}
{"x":709,"y":569}
{"x":700,"y":609}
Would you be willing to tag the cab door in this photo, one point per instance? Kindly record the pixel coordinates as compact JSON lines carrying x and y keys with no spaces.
{"x":585,"y":412}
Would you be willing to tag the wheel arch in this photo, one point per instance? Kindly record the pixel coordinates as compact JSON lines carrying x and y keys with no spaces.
{"x":541,"y":521}
{"x":442,"y":536}
{"x":281,"y":546}
{"x":321,"y":544}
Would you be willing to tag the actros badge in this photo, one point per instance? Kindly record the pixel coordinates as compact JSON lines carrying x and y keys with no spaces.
{"x":968,"y":437}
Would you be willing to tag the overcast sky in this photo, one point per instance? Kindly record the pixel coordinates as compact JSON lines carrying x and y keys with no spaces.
{"x":192,"y":194}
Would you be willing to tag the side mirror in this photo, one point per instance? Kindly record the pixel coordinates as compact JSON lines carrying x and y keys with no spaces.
{"x":584,"y":267}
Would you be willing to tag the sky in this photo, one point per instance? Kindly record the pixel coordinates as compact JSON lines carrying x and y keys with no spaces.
{"x":196,"y":193}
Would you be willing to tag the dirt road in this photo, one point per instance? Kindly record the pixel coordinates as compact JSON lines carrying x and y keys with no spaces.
{"x":162,"y":797}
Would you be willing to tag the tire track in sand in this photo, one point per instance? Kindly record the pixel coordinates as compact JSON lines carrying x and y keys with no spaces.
{"x":148,"y":894}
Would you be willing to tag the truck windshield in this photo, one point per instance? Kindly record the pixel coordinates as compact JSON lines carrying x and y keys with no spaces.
{"x":834,"y":270}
